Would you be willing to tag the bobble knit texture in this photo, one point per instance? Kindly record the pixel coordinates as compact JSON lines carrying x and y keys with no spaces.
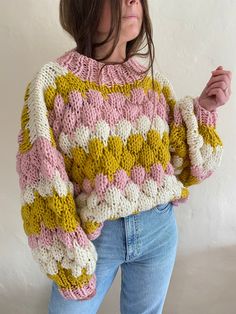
{"x":92,"y":150}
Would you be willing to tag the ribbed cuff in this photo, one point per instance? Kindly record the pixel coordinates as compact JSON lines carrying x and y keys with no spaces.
{"x":203,"y":115}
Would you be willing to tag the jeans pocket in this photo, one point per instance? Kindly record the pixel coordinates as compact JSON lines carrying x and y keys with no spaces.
{"x":163,"y":208}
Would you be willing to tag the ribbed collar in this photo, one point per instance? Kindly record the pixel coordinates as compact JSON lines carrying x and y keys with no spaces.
{"x":87,"y":68}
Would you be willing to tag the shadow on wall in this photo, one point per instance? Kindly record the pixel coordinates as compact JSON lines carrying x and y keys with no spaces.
{"x":203,"y":282}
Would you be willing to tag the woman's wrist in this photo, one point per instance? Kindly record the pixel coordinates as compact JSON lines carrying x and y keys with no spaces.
{"x":208,"y":108}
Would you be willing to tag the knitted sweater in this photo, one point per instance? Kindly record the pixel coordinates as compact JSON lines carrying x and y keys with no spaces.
{"x":91,"y":150}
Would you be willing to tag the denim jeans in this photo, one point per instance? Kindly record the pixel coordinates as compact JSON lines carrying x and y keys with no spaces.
{"x":144,"y":245}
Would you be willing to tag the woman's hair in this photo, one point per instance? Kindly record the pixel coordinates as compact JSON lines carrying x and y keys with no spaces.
{"x":80,"y":18}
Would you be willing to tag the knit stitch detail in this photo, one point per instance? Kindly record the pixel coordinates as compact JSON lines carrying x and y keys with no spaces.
{"x":87,"y":69}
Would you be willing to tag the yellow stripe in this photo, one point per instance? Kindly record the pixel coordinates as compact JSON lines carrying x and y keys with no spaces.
{"x":116,"y":155}
{"x":178,"y":139}
{"x":210,"y":135}
{"x":53,"y":211}
{"x":90,"y":227}
{"x":187,"y":178}
{"x":64,"y":278}
{"x":70,"y":82}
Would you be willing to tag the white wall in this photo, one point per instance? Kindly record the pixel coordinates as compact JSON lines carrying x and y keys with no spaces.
{"x":191,"y":38}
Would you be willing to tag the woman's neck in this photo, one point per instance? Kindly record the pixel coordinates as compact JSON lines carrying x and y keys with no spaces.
{"x":117,"y":56}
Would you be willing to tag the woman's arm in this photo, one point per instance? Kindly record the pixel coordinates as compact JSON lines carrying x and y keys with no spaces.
{"x":195,"y":146}
{"x":58,"y":243}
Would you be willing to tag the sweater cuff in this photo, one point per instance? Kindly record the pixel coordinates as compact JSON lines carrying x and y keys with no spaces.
{"x":203,"y":115}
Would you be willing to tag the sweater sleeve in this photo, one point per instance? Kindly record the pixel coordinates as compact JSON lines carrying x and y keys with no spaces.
{"x":56,"y":239}
{"x":195,"y":146}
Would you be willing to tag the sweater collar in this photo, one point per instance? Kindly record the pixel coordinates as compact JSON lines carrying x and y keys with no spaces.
{"x":87,"y":68}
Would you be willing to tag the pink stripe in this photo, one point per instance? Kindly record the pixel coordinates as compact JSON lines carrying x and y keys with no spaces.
{"x":177,"y":116}
{"x":114,"y":109}
{"x":40,"y":162}
{"x":121,"y":179}
{"x":56,"y":115}
{"x":138,"y":174}
{"x":85,"y":293}
{"x":200,"y":173}
{"x":45,"y":239}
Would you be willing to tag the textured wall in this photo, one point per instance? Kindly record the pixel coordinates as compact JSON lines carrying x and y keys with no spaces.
{"x":191,"y":38}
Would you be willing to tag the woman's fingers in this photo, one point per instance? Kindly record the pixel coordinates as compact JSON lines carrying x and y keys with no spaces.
{"x":214,"y":91}
{"x":218,"y":78}
{"x":221,"y":84}
{"x":218,"y":72}
{"x":219,"y":96}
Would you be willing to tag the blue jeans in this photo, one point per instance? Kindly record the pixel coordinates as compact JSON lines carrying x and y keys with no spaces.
{"x":144,"y":245}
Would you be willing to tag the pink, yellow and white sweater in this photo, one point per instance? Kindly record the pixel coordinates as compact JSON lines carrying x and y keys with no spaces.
{"x":91,"y":150}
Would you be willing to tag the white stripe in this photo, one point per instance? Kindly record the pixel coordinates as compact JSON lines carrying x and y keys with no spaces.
{"x":74,"y":259}
{"x":141,"y":198}
{"x":38,"y":122}
{"x":45,"y":188}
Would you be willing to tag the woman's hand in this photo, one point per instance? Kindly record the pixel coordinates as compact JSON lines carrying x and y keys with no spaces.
{"x":217,"y":91}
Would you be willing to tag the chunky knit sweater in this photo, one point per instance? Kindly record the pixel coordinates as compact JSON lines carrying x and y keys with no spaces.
{"x":94,"y":148}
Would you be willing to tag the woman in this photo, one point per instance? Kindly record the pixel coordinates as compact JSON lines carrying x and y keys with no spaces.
{"x":105,"y":152}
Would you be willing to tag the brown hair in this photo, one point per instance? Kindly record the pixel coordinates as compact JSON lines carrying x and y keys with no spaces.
{"x":80,"y":19}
